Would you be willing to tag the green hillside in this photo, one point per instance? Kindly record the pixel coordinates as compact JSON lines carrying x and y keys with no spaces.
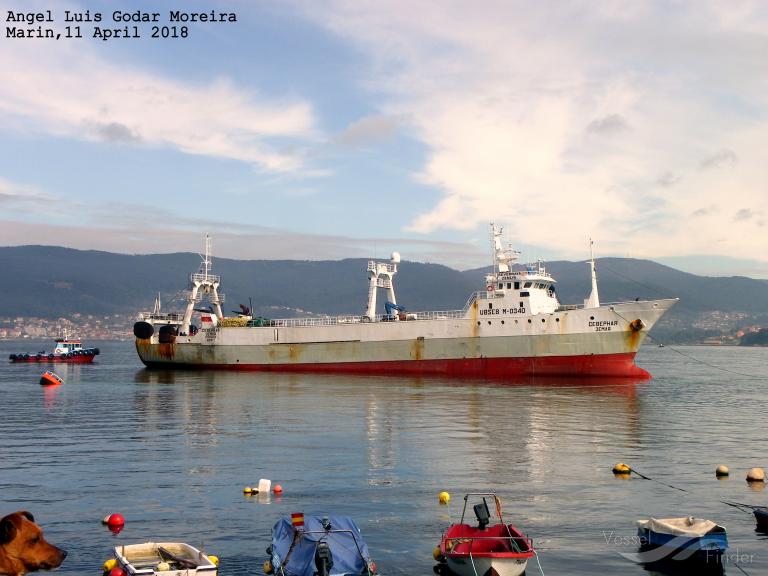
{"x":52,"y":282}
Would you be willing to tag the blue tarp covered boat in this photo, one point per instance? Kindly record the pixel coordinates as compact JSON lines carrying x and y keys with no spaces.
{"x":318,"y":546}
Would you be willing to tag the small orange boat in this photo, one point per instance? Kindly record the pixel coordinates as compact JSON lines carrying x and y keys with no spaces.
{"x":50,"y":379}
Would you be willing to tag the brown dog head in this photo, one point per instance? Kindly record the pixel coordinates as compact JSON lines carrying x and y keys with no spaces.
{"x":23,"y":548}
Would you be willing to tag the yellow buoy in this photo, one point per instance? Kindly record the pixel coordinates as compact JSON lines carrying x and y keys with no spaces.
{"x":722,"y":471}
{"x":247,"y":490}
{"x":268,"y":568}
{"x":756,"y":475}
{"x":444,"y":497}
{"x":214,"y":560}
{"x":163,"y":566}
{"x":108,"y":565}
{"x":621,"y":468}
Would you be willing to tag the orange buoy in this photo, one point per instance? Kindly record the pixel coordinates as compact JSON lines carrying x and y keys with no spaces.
{"x":277,"y":489}
{"x":756,"y":475}
{"x":621,"y":469}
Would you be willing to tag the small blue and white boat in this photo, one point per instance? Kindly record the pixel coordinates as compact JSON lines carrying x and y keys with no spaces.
{"x":682,"y":539}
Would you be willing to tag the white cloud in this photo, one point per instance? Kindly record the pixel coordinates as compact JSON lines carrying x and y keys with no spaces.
{"x":15,"y":193}
{"x":560,"y":117}
{"x":73,"y":91}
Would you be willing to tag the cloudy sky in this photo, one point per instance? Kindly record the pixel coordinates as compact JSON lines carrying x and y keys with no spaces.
{"x":348,"y":128}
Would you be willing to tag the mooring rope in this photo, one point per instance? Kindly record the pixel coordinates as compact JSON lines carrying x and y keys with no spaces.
{"x":747,"y":508}
{"x":704,"y":362}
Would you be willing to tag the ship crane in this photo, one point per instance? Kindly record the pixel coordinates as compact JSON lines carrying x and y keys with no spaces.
{"x":380,"y":275}
{"x":203,"y":283}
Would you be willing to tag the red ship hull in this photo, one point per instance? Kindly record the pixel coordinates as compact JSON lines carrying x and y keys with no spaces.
{"x":56,"y":359}
{"x":615,"y":365}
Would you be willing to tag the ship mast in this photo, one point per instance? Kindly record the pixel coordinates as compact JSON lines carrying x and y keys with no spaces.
{"x":594,"y":299}
{"x":203,"y":283}
{"x":503,"y":259}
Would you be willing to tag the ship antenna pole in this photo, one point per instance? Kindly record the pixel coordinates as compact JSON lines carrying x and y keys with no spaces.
{"x":594,"y":299}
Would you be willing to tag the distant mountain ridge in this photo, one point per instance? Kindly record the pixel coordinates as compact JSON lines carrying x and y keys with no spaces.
{"x":52,"y":282}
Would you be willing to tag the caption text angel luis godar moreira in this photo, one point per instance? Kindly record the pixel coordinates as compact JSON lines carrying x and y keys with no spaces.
{"x":118,"y":24}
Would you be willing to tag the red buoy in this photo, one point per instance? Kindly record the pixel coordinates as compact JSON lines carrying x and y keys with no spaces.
{"x":115,"y":521}
{"x":278,"y":489}
{"x":117,"y":572}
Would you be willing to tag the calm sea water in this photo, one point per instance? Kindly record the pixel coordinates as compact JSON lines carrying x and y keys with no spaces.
{"x":172,"y":452}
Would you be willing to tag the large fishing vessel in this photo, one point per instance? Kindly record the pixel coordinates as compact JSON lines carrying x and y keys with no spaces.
{"x":515,"y":326}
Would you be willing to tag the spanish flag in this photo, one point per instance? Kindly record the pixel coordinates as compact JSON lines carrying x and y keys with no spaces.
{"x":297,"y":519}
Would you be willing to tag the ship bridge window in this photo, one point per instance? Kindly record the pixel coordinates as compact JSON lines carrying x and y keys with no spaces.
{"x":517,"y":285}
{"x":501,"y":285}
{"x":527,"y":284}
{"x":509,"y":285}
{"x":524,"y":294}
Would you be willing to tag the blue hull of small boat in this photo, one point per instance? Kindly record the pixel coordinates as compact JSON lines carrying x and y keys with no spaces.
{"x":708,"y":548}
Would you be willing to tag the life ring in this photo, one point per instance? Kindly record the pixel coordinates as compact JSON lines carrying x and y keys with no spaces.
{"x":637,"y":325}
{"x":490,"y":288}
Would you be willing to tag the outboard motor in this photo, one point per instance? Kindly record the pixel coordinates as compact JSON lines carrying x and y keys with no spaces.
{"x":482,"y":514}
{"x":323,"y":559}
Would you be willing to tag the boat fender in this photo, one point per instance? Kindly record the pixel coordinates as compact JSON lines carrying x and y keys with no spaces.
{"x":268,"y":568}
{"x":637,"y":325}
{"x":116,"y":571}
{"x":438,"y":555}
{"x":167,"y":334}
{"x":163,"y":567}
{"x":108,"y":565}
{"x":214,"y":560}
{"x":143,"y":330}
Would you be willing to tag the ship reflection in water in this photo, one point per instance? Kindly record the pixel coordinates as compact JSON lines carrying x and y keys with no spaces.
{"x":399,"y":426}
